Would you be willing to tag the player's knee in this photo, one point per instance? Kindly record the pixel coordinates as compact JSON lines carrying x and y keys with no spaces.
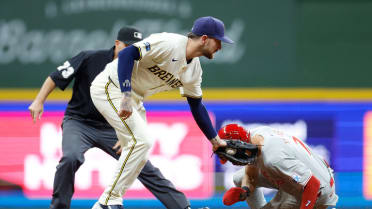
{"x":143,"y":145}
{"x":237,"y":179}
{"x":147,"y":145}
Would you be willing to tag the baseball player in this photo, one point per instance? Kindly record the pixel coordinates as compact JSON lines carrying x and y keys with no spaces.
{"x":84,"y":127}
{"x":161,"y":62}
{"x":303,"y":179}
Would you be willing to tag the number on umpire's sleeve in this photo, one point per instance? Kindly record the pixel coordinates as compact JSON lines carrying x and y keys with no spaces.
{"x":66,"y":69}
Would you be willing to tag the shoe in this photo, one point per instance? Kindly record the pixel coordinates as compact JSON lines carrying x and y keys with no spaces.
{"x":98,"y":205}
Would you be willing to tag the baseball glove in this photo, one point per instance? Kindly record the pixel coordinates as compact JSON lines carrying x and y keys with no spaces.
{"x":238,"y":152}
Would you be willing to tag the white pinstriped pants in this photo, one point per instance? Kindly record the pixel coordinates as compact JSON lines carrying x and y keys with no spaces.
{"x":282,"y":200}
{"x":132,"y":134}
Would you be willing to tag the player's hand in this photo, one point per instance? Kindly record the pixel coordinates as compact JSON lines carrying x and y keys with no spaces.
{"x":125,"y":109}
{"x":36,"y":110}
{"x":117,"y":147}
{"x":234,"y":195}
{"x":217,"y":142}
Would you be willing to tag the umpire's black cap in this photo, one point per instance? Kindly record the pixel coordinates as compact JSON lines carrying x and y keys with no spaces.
{"x":129,"y":35}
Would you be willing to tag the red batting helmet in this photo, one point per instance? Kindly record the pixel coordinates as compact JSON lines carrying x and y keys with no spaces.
{"x":234,"y":131}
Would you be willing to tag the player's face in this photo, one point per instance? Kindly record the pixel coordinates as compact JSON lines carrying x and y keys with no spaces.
{"x":211,"y":46}
{"x":119,"y":45}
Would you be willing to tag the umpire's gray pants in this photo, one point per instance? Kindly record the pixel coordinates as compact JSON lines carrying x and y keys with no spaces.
{"x":77,"y":138}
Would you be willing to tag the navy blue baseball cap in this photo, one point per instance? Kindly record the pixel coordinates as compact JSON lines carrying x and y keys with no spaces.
{"x":212,"y":27}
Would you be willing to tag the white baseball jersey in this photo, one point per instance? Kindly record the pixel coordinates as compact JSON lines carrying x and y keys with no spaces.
{"x":162,"y":67}
{"x":286,"y":163}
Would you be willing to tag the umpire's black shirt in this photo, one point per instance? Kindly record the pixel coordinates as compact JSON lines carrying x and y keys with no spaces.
{"x":84,"y":67}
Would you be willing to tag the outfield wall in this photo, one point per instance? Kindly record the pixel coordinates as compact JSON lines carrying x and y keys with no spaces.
{"x":338,"y":130}
{"x":287,"y":43}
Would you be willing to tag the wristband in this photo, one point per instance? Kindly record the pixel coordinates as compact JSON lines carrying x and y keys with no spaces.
{"x":246,"y":194}
{"x":127,"y":94}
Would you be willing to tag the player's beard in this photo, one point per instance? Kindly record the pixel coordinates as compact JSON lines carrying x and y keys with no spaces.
{"x":208,"y":54}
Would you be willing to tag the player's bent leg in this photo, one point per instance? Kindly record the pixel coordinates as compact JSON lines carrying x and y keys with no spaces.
{"x":132,"y":134}
{"x":150,"y":176}
{"x":133,"y":157}
{"x":162,"y":188}
{"x":238,"y":177}
{"x":256,"y":199}
{"x":130,"y":163}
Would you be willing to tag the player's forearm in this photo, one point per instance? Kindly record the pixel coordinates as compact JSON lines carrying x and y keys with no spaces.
{"x":125,"y":67}
{"x":249,"y":179}
{"x":47,"y":87}
{"x":201,"y":117}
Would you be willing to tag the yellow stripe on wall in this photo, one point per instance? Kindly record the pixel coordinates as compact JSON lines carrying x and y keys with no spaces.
{"x":249,"y":94}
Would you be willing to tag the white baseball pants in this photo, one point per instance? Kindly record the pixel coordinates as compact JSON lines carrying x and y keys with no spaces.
{"x":283,"y":200}
{"x":132,"y":134}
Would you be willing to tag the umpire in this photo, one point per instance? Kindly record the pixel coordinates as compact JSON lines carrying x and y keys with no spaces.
{"x":84,"y":127}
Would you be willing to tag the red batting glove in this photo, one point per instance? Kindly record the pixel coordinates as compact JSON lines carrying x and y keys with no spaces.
{"x":234,"y":195}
